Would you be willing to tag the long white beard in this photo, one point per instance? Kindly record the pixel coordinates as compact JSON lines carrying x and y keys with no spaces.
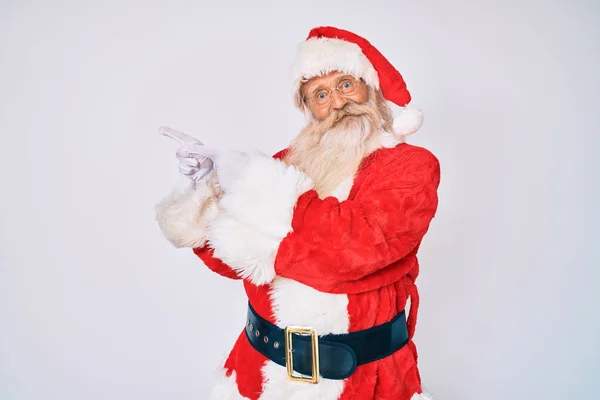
{"x":332,"y":150}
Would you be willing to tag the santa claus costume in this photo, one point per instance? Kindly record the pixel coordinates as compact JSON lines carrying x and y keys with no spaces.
{"x":341,"y":266}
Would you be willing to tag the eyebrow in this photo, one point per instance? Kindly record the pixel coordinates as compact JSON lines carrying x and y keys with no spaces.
{"x":340,"y":78}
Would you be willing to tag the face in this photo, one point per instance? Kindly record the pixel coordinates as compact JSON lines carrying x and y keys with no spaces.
{"x":332,"y":91}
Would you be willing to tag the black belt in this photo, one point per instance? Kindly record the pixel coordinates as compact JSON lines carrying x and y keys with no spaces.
{"x":338,"y":355}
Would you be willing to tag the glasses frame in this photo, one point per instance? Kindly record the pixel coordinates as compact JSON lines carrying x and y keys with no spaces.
{"x":330,"y":91}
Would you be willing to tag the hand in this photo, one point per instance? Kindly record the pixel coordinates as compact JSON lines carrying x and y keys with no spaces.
{"x":191,"y":163}
{"x":228,"y":164}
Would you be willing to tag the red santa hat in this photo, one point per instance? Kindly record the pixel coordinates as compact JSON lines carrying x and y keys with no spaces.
{"x":328,"y":49}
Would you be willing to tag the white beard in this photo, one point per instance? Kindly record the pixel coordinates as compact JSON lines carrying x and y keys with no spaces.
{"x":332,"y":150}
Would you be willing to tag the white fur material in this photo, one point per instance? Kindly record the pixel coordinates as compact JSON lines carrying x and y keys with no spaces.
{"x":226,"y":389}
{"x":317,"y":56}
{"x":408,"y":121}
{"x":255,"y":216}
{"x":421,"y":396}
{"x":384,"y":139}
{"x":326,"y":312}
{"x":278,"y":387}
{"x":184,"y":214}
{"x":343,"y":189}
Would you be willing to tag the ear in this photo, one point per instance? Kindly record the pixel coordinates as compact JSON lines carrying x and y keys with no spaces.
{"x":299,"y":99}
{"x":408,"y":121}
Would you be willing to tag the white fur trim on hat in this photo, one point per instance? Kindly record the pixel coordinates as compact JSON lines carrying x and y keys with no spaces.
{"x":318,"y":56}
{"x":408,"y":121}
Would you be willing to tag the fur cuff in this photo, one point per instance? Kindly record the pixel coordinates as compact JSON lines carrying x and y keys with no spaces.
{"x":183,"y":216}
{"x":421,"y":396}
{"x":255,"y":216}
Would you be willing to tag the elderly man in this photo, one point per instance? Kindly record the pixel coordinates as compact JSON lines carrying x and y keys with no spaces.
{"x":324,"y":234}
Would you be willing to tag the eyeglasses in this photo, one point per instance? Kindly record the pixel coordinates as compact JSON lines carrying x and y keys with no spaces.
{"x":321,"y":96}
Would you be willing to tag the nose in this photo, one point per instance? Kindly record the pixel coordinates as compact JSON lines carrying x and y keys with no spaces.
{"x":337,"y":100}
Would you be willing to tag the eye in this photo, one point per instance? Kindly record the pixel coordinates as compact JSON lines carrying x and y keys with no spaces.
{"x":321,"y":96}
{"x":346,"y":86}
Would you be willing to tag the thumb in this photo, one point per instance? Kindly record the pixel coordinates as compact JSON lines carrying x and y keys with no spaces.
{"x":199,"y":151}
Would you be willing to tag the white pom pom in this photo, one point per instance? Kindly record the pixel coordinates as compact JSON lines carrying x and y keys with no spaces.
{"x":408,"y":121}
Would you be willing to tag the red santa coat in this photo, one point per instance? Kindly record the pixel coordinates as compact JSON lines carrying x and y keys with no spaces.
{"x":340,"y":264}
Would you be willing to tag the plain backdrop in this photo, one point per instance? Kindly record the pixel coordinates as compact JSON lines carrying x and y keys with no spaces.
{"x":96,"y":304}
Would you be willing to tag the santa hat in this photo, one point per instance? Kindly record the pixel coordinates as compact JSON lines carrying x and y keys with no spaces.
{"x":329,"y":49}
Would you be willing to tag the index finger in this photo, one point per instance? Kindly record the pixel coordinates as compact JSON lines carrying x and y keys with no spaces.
{"x":181,"y":137}
{"x":199,"y":151}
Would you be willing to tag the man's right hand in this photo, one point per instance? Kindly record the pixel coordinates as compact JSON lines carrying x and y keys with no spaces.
{"x":191,"y":162}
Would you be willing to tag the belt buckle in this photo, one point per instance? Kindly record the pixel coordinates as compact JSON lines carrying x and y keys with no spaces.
{"x":289,"y":359}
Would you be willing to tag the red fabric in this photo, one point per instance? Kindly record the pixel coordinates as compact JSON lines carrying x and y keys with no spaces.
{"x":215,"y":264}
{"x":243,"y":358}
{"x":395,"y":377}
{"x":246,"y":363}
{"x":391,"y":81}
{"x":371,"y":239}
{"x":365,"y":247}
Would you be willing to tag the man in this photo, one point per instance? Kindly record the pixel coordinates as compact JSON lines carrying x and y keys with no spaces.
{"x":324,"y":234}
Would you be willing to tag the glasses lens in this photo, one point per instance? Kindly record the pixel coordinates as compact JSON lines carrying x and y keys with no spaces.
{"x":347,"y":86}
{"x":321,"y":98}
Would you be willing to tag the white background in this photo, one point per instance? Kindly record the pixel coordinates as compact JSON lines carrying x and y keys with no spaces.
{"x":95,"y":304}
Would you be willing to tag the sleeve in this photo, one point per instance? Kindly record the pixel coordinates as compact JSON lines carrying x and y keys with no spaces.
{"x":206,"y":254}
{"x":273,"y":223}
{"x":185,"y":213}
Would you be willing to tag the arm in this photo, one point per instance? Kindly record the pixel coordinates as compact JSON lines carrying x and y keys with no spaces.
{"x":184,"y":215}
{"x":273,"y":223}
{"x":206,"y":253}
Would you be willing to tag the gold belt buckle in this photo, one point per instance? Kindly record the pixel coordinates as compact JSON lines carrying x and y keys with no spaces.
{"x":289,"y":359}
